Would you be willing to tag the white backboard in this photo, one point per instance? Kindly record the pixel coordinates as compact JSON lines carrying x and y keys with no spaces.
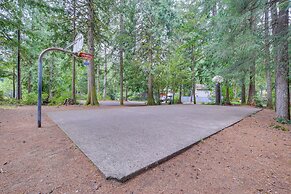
{"x":78,"y":43}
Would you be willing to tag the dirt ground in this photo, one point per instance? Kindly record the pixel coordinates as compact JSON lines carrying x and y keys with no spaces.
{"x":249,"y":157}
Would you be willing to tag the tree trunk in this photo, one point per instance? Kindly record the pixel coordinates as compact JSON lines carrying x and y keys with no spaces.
{"x":194,"y":93}
{"x":234,"y":86}
{"x":74,"y":80}
{"x":29,"y":82}
{"x":180,"y":95}
{"x":92,"y":98}
{"x":173,"y":98}
{"x":126,"y":93}
{"x":121,"y":50}
{"x":217,"y":94}
{"x":158,"y":97}
{"x":274,"y":23}
{"x":74,"y":59}
{"x":193,"y":85}
{"x":243,"y":90}
{"x":13,"y":83}
{"x":105,"y":73}
{"x":282,"y":85}
{"x":98,"y":79}
{"x":18,"y":67}
{"x":227,"y":96}
{"x":193,"y":77}
{"x":267,"y":60}
{"x":191,"y":97}
{"x":151,"y":100}
{"x":252,"y":83}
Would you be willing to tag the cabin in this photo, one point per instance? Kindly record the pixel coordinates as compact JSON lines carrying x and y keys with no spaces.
{"x":203,"y":95}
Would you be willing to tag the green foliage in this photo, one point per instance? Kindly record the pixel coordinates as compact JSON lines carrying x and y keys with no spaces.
{"x":235,"y":102}
{"x":60,"y":99}
{"x":279,"y":127}
{"x":259,"y":101}
{"x":283,"y":121}
{"x":31,"y":98}
{"x":1,"y":95}
{"x":209,"y":103}
{"x":9,"y":101}
{"x":106,"y":98}
{"x":176,"y":99}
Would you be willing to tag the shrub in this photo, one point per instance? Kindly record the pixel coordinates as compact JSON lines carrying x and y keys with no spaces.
{"x":208,"y":103}
{"x":31,"y":98}
{"x":1,"y":95}
{"x":60,"y":99}
{"x":9,"y":101}
{"x":259,"y":102}
{"x":279,"y":127}
{"x":283,"y":121}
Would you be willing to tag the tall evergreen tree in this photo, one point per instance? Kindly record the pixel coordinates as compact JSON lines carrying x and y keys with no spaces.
{"x":282,"y":70}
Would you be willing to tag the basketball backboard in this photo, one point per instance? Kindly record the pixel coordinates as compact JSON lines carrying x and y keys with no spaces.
{"x":78,"y":43}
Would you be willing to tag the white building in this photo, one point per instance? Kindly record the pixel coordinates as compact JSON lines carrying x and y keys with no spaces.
{"x":203,"y":95}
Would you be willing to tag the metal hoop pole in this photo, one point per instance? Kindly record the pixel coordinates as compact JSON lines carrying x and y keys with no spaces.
{"x":39,"y":100}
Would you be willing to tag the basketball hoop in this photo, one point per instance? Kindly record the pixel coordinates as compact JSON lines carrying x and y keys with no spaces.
{"x":86,"y":56}
{"x":77,"y":47}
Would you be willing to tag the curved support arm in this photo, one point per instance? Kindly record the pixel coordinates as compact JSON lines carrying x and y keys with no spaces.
{"x":39,"y":101}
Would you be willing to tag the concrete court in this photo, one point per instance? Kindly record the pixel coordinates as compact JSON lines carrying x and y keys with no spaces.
{"x":116,"y":103}
{"x":123,"y":142}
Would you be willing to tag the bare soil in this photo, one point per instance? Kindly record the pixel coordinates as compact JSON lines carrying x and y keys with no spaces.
{"x":250,"y":157}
